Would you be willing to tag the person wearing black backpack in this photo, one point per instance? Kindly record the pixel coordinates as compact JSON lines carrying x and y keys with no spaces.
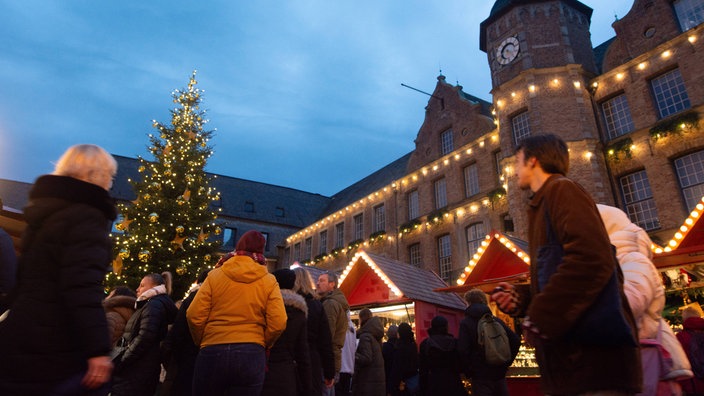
{"x":487,"y":379}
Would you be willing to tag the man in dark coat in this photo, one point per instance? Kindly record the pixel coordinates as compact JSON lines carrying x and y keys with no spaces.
{"x":56,"y":333}
{"x":439,"y":362}
{"x":567,"y":366}
{"x":387,"y":350}
{"x":369,"y":378}
{"x":487,"y":380}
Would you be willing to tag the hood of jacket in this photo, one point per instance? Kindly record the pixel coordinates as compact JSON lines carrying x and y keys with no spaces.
{"x":476,"y":311}
{"x":626,"y":236}
{"x":293,"y":300}
{"x":374,"y":327}
{"x":444,"y":342}
{"x":243,"y":269}
{"x":119,"y":302}
{"x":164,"y":301}
{"x":51,"y":193}
{"x":338,"y":296}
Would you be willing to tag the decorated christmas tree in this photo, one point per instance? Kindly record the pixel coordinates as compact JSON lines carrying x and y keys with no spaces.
{"x":167,"y":227}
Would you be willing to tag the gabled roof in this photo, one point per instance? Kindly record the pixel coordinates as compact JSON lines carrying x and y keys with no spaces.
{"x":269,"y":203}
{"x":499,"y":258}
{"x":600,"y":52}
{"x":14,"y":194}
{"x":374,"y":182}
{"x":404,"y":281}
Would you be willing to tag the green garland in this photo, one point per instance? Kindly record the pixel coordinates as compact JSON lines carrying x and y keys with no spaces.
{"x":675,"y":125}
{"x":496,"y":194}
{"x":319,"y":257}
{"x":620,"y":148}
{"x":437,"y":216}
{"x":355,"y":244}
{"x":409,"y":226}
{"x":336,"y":252}
{"x":377,"y":236}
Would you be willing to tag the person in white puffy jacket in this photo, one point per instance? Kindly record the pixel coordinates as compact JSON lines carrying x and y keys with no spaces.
{"x":645,"y":293}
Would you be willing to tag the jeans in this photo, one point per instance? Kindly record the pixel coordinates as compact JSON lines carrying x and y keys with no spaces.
{"x":230,"y":369}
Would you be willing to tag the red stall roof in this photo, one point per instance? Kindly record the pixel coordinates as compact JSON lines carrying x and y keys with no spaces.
{"x":500,"y":258}
{"x":372,"y":279}
{"x":687,"y":245}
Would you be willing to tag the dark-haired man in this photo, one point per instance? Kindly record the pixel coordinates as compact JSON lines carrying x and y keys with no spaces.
{"x":567,"y":367}
{"x":336,"y":307}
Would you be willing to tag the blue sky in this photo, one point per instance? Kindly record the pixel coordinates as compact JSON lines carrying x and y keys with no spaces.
{"x":304,"y":93}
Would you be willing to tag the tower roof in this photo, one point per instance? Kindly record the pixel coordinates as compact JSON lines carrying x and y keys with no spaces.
{"x":501,"y":7}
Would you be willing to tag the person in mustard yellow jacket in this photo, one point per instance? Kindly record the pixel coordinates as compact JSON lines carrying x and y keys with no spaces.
{"x":236,"y":316}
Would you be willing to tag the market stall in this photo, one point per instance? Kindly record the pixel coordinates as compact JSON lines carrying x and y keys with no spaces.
{"x":12,"y":221}
{"x":398,"y":292}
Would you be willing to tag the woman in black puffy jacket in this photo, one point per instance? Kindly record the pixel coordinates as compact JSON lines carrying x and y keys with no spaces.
{"x":137,"y":369}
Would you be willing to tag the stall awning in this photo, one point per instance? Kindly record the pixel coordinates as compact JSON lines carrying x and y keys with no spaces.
{"x":687,"y":245}
{"x":500,"y":258}
{"x":12,"y":221}
{"x":371,"y":279}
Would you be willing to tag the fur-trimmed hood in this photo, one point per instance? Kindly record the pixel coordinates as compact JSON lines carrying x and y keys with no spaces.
{"x":294,"y":300}
{"x":119,"y":302}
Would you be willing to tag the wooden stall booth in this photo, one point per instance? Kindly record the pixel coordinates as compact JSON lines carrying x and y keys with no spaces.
{"x":399,"y":292}
{"x":502,"y":258}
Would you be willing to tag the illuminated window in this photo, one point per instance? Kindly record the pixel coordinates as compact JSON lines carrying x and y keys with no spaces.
{"x":379,"y":218}
{"x":446,"y":144}
{"x":323,"y":244}
{"x":670,"y":94}
{"x":690,"y":172}
{"x":471,"y":180}
{"x":229,"y":237}
{"x":445,"y":257}
{"x":638,"y":198}
{"x":521,"y":128}
{"x":617,"y":116}
{"x":413,"y":205}
{"x":440,"y":193}
{"x":414,"y":255}
{"x":475,"y":235}
{"x":690,"y":13}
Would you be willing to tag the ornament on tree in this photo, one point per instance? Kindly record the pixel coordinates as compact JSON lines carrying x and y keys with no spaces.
{"x":177,"y":243}
{"x":202,"y":237}
{"x":153,"y":217}
{"x":147,"y":196}
{"x":189,"y":177}
{"x":117,"y":265}
{"x":144,"y":255}
{"x":156,"y":185}
{"x":217,"y":231}
{"x":180,"y":201}
{"x":124,"y":253}
{"x":123,"y":225}
{"x":167,"y":149}
{"x":141,"y":169}
{"x":180,"y":229}
{"x":187,"y":195}
{"x":191,"y":135}
{"x":207,"y":258}
{"x":167,"y":173}
{"x":181,"y":270}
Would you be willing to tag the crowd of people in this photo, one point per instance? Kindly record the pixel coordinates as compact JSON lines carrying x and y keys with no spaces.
{"x":244,"y":331}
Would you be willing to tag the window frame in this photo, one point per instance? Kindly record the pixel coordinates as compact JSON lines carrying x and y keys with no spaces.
{"x":379,"y":218}
{"x":663,"y":87}
{"x":447,"y":144}
{"x":638,"y":202}
{"x":440,"y":189}
{"x":520,"y":127}
{"x":444,"y":261}
{"x":471,"y":181}
{"x":413,"y":199}
{"x":692,"y":183}
{"x":614,"y":110}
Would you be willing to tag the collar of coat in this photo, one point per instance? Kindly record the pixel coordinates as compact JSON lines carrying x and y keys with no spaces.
{"x":74,"y":190}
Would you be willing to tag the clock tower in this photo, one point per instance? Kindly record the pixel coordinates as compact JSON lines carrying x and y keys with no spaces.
{"x":541,"y":60}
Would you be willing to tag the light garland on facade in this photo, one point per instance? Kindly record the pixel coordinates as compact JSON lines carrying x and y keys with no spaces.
{"x":482,"y":249}
{"x":363,"y":255}
{"x":683,"y":230}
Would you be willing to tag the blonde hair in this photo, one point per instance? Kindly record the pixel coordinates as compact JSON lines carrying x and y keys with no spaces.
{"x":86,"y":162}
{"x":476,"y":296}
{"x":304,"y":283}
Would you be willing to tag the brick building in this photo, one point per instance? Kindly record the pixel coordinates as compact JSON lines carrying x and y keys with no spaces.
{"x":628,"y":108}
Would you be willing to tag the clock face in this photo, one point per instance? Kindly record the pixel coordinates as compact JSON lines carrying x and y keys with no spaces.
{"x":507,"y":51}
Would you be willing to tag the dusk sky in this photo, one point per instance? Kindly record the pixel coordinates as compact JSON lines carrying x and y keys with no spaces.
{"x":304,"y":94}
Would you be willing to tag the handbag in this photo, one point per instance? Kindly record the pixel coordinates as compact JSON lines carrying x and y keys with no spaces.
{"x":604,"y":322}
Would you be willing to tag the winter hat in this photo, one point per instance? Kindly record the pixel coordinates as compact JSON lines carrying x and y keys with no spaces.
{"x":438,"y":325}
{"x":405,"y":332}
{"x":285,"y":277}
{"x":252,"y":244}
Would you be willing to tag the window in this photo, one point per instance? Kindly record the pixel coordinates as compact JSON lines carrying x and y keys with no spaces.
{"x":497,"y":162}
{"x":690,"y":172}
{"x":287,"y":257}
{"x":308,"y":249}
{"x":617,"y":116}
{"x":446,"y":144}
{"x":507,"y":223}
{"x":638,"y":198}
{"x":471,"y":180}
{"x":440,"y":193}
{"x":475,"y":234}
{"x":339,"y":235}
{"x":521,"y":128}
{"x":323,"y":245}
{"x":689,"y":12}
{"x":445,"y":256}
{"x":379,"y":218}
{"x":229,"y":237}
{"x":280,"y":212}
{"x":249,"y":207}
{"x":413,"y":205}
{"x":414,"y":255}
{"x":266,"y":241}
{"x":358,"y":227}
{"x":669,"y":92}
{"x":297,"y":252}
